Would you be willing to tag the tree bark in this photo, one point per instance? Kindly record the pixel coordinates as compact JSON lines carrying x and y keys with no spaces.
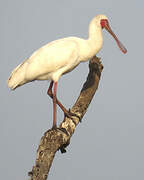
{"x":58,"y":139}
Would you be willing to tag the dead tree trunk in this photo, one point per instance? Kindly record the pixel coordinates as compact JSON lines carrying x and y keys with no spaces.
{"x":54,"y":140}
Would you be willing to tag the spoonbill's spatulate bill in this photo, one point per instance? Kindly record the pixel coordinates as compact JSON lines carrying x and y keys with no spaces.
{"x":58,"y":57}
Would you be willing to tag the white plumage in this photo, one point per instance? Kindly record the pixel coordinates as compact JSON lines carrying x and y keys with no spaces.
{"x":57,"y":57}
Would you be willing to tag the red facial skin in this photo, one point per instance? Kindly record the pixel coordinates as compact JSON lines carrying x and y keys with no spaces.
{"x":103,"y":22}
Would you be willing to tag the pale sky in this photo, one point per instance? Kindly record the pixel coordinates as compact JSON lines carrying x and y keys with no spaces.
{"x":108,"y":144}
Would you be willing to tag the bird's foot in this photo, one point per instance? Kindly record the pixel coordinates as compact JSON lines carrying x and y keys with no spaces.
{"x":70,"y":115}
{"x":63,"y":130}
{"x":63,"y":147}
{"x":60,"y":129}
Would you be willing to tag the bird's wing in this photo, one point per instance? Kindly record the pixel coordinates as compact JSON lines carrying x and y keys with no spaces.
{"x":52,"y":57}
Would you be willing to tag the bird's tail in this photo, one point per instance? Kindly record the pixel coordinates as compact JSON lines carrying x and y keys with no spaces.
{"x":17,"y":77}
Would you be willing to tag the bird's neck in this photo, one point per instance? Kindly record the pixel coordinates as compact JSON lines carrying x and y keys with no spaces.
{"x":95,"y":36}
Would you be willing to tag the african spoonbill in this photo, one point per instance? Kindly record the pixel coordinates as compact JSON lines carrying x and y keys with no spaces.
{"x":59,"y":57}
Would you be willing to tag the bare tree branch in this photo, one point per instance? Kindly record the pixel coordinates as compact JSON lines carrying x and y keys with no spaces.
{"x":59,"y":139}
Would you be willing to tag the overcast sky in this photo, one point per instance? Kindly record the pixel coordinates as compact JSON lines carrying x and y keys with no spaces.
{"x":109,"y":143}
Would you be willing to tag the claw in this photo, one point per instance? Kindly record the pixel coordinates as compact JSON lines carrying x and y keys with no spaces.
{"x":63,"y":130}
{"x":73,"y":114}
{"x":69,"y":114}
{"x":60,"y":129}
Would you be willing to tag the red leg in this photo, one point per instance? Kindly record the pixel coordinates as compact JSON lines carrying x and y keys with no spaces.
{"x":54,"y":105}
{"x":66,"y":112}
{"x":49,"y":92}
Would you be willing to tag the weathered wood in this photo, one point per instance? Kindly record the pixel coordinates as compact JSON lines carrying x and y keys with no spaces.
{"x":58,"y":139}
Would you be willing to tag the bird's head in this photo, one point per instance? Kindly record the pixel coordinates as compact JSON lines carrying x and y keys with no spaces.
{"x":102,"y":20}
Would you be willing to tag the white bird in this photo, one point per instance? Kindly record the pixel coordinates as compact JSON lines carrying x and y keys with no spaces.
{"x":59,"y":57}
